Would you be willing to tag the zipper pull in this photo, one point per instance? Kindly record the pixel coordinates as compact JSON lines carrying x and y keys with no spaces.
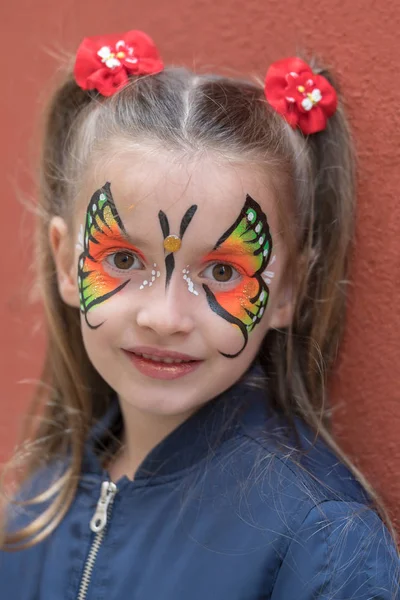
{"x":99,"y":519}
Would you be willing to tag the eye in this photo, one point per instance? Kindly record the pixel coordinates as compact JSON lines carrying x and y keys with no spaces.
{"x":124,"y":261}
{"x":221,"y":273}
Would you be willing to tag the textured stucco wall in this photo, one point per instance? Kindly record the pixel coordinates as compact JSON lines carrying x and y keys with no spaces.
{"x":360,"y":39}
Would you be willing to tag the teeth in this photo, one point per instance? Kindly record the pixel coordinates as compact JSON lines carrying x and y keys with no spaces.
{"x":164,"y":360}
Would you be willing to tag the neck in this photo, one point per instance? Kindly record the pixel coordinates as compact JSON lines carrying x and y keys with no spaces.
{"x":143,"y":431}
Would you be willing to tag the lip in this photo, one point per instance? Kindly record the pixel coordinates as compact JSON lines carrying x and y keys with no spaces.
{"x":160,"y":352}
{"x":160,"y":370}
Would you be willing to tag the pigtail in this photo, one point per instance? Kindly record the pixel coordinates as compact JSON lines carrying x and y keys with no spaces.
{"x":321,"y":307}
{"x":328,"y":235}
{"x":63,"y":400}
{"x":67,"y":103}
{"x":298,"y":360}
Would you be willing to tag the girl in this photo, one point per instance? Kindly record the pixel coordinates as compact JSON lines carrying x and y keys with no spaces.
{"x":193,"y":246}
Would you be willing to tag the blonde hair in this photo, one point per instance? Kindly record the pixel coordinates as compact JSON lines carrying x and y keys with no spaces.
{"x":190,"y":112}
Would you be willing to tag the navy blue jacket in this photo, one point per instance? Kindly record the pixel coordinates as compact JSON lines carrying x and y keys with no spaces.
{"x":222,"y":509}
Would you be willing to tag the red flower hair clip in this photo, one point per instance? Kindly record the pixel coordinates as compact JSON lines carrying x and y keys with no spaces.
{"x":306,"y":100}
{"x":104,"y":63}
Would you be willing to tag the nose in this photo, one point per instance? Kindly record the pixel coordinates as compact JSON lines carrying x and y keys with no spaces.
{"x":165,"y":313}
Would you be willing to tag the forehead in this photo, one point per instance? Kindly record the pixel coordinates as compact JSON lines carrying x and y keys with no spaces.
{"x":142,"y":185}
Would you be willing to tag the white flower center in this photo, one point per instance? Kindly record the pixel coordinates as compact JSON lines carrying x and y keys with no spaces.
{"x":113,"y":59}
{"x":109,"y":58}
{"x":311,"y":99}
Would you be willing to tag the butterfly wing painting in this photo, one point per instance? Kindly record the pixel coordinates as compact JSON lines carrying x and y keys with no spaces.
{"x":250,"y":238}
{"x":103,"y":229}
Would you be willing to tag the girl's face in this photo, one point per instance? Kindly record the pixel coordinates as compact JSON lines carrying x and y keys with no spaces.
{"x":178,"y":274}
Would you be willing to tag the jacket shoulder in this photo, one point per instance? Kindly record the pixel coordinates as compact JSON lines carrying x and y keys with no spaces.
{"x":340,"y":550}
{"x":337,"y":545}
{"x":297,"y":455}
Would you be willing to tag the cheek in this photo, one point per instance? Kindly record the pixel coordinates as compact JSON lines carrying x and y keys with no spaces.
{"x":95,"y":284}
{"x":225,"y":336}
{"x":96,"y":342}
{"x":115,"y":324}
{"x":111,"y":313}
{"x":97,"y":281}
{"x":246,"y":302}
{"x":103,"y":320}
{"x":237,"y":302}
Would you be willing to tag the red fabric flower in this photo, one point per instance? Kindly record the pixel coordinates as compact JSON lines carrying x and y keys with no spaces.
{"x":305,"y":99}
{"x":105,"y":62}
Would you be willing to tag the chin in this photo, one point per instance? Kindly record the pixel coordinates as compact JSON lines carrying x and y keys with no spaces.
{"x":162,"y":403}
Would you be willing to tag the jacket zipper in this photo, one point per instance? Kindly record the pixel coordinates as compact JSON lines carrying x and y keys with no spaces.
{"x":98,"y":525}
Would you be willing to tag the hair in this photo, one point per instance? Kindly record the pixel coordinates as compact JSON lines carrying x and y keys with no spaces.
{"x":193,"y":113}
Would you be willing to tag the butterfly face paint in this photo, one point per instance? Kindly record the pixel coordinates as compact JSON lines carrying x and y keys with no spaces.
{"x":104,"y":234}
{"x":172,"y":243}
{"x":247,"y":246}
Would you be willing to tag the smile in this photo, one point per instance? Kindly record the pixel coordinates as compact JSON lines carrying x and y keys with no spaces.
{"x":162,"y":364}
{"x":166,"y":360}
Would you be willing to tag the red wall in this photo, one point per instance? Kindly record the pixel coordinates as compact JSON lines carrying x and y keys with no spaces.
{"x":360,"y":39}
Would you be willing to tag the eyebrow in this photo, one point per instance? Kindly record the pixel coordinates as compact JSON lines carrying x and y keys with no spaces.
{"x":123,"y":235}
{"x":238,"y":251}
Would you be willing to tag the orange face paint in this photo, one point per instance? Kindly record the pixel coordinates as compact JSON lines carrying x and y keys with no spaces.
{"x":104,"y":234}
{"x":246,"y":245}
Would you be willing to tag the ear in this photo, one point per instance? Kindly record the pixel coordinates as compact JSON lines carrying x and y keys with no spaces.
{"x":63,"y":254}
{"x":283,"y":311}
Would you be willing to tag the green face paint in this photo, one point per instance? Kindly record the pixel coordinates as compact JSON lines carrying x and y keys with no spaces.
{"x":248,"y":244}
{"x":104,"y":235}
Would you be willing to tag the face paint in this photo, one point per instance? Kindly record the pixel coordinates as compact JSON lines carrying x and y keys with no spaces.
{"x":247,"y":246}
{"x":190,"y":284}
{"x":172,"y":243}
{"x":79,"y":244}
{"x":154,"y":273}
{"x":104,"y":235}
{"x":269,"y":275}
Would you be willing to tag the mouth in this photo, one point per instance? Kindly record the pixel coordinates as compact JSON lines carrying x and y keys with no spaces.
{"x":162,"y":364}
